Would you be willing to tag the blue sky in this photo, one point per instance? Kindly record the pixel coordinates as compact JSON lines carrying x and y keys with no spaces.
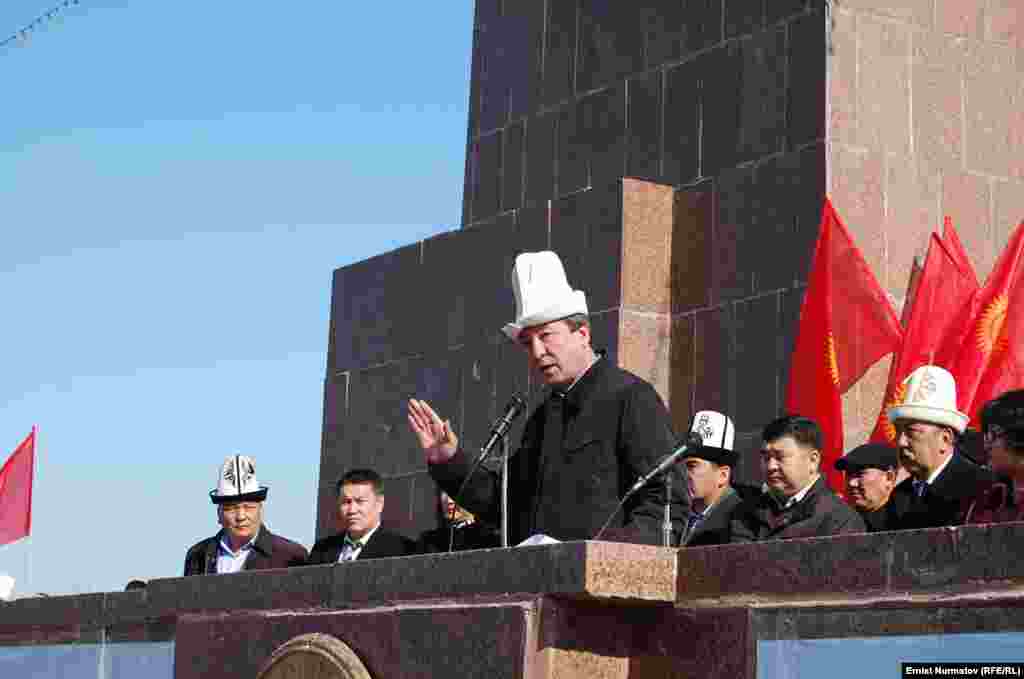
{"x":177,"y":183}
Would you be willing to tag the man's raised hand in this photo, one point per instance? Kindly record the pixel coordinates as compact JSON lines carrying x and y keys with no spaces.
{"x":435,"y":436}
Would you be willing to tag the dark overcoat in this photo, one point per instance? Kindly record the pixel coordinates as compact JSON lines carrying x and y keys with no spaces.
{"x":820,"y":512}
{"x":269,"y":551}
{"x":947,"y":501}
{"x":715,"y":529}
{"x":616,"y":428}
{"x":383,"y":543}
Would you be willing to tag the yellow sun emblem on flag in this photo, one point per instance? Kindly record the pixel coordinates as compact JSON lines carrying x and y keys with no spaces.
{"x":989,"y":331}
{"x":896,"y":399}
{"x":830,"y":357}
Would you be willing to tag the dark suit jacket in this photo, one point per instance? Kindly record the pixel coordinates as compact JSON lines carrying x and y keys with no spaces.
{"x":269,"y":551}
{"x":821,"y":512}
{"x":716,"y":528}
{"x":888,"y":516}
{"x":616,"y":428}
{"x":382,"y":544}
{"x":947,"y":501}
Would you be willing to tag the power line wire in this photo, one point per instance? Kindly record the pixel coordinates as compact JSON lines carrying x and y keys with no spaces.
{"x":21,"y":36}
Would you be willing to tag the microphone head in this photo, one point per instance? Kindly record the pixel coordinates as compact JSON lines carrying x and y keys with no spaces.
{"x":516,"y":405}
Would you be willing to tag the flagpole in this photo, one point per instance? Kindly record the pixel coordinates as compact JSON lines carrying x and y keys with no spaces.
{"x":28,"y":551}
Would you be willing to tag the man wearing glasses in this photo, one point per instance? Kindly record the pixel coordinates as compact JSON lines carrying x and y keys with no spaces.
{"x":1002,"y":424}
{"x":243,"y":543}
{"x":943,"y":482}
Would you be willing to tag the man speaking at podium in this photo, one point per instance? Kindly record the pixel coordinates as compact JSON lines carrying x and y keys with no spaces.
{"x":599,"y":429}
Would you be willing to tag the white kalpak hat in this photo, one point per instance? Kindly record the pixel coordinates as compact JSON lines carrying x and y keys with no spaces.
{"x":717,"y":434}
{"x":6,"y":587}
{"x":542,"y":292}
{"x":237,"y":482}
{"x":931,"y":397}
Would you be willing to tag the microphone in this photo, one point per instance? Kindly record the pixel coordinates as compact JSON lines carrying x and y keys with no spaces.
{"x":514,"y":409}
{"x":692,"y":440}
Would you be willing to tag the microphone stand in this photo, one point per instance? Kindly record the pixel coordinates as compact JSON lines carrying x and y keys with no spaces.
{"x":504,"y":489}
{"x":666,"y":524}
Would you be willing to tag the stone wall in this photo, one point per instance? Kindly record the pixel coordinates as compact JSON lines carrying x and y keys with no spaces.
{"x":925,"y":120}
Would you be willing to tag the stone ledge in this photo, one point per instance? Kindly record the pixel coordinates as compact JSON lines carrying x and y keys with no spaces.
{"x":968,"y":563}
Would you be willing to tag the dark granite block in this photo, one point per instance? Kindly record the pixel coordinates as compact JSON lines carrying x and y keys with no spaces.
{"x":777,"y":187}
{"x":748,"y":465}
{"x":523,"y":28}
{"x":789,"y":320}
{"x":81,"y":610}
{"x":737,"y":219}
{"x":586,"y":232}
{"x":152,"y":631}
{"x":662,"y":26}
{"x":693,"y":230}
{"x":257,"y":590}
{"x":756,"y":320}
{"x":695,"y":641}
{"x":573,"y":150}
{"x":714,"y":352}
{"x":720,"y":71}
{"x":808,"y":204}
{"x":682,"y":123}
{"x":703,"y":23}
{"x":533,"y":229}
{"x":332,"y":439}
{"x":512,"y":163}
{"x":604,"y":333}
{"x":611,"y":42}
{"x":560,"y":55}
{"x":467,"y":208}
{"x":644,"y":113}
{"x":743,"y":17}
{"x":487,"y":176}
{"x":441,"y":322}
{"x":807,"y":67}
{"x":540,"y":157}
{"x":762,"y":95}
{"x":479,"y":402}
{"x":494,"y":76}
{"x":682,"y":371}
{"x":373,"y":308}
{"x":327,"y":504}
{"x":781,"y":9}
{"x":489,"y":252}
{"x":603,"y":117}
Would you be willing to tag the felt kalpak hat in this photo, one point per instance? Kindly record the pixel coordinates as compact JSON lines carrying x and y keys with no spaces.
{"x":237,"y":482}
{"x":931,"y":397}
{"x":6,"y":587}
{"x":716,"y":433}
{"x":542,"y":292}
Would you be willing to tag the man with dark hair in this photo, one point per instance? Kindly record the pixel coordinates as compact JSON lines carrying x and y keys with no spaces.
{"x":244,"y":542}
{"x":871,"y":472}
{"x":943,"y":482}
{"x":599,"y":429}
{"x":1002,"y":428}
{"x":713,"y":497}
{"x":796,"y":502}
{"x":360,"y":505}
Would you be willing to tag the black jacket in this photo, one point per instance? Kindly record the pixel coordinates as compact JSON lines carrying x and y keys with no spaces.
{"x":888,"y":516}
{"x":269,"y":551}
{"x":715,"y":529}
{"x":820,"y":512}
{"x":475,"y":535}
{"x":383,"y":543}
{"x":947,"y":500}
{"x":616,"y":428}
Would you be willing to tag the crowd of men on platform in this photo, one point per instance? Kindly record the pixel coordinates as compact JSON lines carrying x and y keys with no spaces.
{"x":601,"y":428}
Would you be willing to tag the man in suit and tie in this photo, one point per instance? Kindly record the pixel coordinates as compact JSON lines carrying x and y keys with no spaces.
{"x":360,"y":505}
{"x":942,"y":481}
{"x":709,"y":479}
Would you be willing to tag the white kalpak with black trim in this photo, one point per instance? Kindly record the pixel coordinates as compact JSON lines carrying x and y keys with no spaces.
{"x":542,"y":292}
{"x":717,"y":433}
{"x":237,"y":482}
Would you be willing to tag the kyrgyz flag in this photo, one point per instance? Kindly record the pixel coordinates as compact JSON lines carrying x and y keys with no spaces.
{"x":846,"y":325}
{"x":16,"y":492}
{"x":944,"y":287}
{"x":993,"y":356}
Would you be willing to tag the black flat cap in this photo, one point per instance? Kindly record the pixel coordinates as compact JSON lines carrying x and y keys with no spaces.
{"x":873,"y":455}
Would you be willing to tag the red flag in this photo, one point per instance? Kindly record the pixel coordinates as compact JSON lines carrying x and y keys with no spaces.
{"x":16,"y":491}
{"x":997,"y":332}
{"x":983,"y":340}
{"x":913,"y":283}
{"x":951,"y":239}
{"x":846,"y":325}
{"x":943,"y":288}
